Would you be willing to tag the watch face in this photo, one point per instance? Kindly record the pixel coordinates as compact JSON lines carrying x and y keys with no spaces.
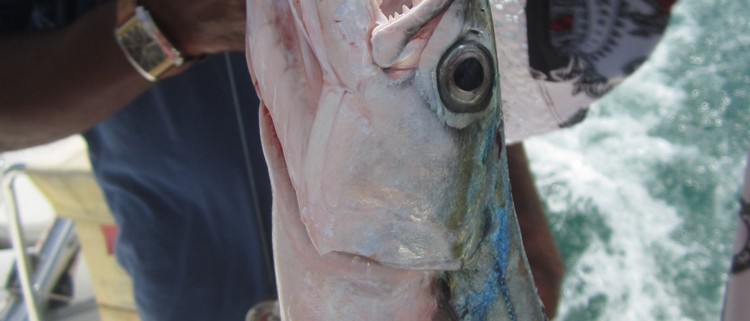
{"x":141,"y":47}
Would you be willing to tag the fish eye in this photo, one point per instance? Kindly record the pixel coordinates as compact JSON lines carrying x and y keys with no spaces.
{"x":465,"y":78}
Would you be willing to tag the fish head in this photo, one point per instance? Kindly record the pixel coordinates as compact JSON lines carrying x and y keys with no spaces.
{"x":391,"y":125}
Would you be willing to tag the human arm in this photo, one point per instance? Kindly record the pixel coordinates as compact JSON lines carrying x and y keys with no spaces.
{"x":544,"y":257}
{"x":61,"y":82}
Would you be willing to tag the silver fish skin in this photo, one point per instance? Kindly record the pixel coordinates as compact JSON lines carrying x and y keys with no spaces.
{"x":382,"y":128}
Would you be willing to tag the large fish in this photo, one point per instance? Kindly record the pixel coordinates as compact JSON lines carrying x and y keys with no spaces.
{"x":382,"y":128}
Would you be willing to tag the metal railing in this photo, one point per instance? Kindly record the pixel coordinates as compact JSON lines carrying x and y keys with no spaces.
{"x":55,"y":252}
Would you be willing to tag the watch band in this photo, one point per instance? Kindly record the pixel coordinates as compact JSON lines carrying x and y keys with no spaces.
{"x":143,"y":44}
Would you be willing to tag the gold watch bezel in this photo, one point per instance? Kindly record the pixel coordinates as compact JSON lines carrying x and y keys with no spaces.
{"x":141,"y":41}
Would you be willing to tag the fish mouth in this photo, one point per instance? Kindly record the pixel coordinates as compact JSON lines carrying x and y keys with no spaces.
{"x":403,"y":30}
{"x":395,"y":8}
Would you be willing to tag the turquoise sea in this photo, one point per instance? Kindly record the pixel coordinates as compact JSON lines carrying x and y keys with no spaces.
{"x":643,"y":195}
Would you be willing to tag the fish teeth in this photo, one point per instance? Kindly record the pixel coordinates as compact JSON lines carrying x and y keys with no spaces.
{"x":380,"y":18}
{"x":404,"y":10}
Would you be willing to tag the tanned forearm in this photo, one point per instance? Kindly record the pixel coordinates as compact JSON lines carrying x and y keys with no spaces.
{"x":60,"y":82}
{"x":544,"y":257}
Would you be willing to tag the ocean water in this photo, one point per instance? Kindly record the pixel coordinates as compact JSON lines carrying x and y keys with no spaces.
{"x":643,"y":195}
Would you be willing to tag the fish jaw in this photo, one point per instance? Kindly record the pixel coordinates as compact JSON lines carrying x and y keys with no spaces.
{"x":398,"y":40}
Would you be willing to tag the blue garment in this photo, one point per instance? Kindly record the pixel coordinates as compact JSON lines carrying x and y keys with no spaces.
{"x":184,"y":175}
{"x":172,"y":167}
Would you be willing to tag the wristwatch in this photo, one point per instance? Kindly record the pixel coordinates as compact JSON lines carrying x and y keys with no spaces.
{"x":147,"y":49}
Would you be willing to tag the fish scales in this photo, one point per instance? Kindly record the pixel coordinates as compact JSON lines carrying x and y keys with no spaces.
{"x":383,"y":132}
